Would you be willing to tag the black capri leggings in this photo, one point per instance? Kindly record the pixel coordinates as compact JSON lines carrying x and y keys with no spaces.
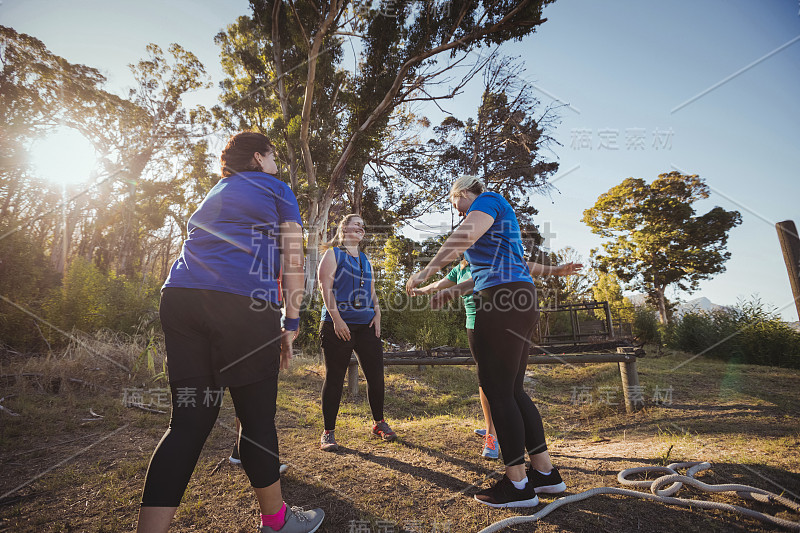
{"x":505,"y":318}
{"x":176,"y":455}
{"x":216,"y":339}
{"x":369,"y":351}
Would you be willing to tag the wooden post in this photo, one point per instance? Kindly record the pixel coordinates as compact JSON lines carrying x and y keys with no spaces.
{"x":790,"y":244}
{"x":630,"y":384}
{"x":352,"y":379}
{"x":609,"y":325}
{"x":573,"y":318}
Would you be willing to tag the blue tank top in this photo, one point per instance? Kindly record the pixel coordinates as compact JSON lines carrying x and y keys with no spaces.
{"x":352,"y":288}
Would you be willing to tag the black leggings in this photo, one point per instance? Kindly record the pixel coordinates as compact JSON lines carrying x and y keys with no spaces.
{"x":505,"y":318}
{"x":195,"y":406}
{"x":369,"y":351}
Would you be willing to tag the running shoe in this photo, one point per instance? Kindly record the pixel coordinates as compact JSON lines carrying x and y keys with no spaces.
{"x":505,"y":494}
{"x":327,"y":443}
{"x":546,"y":483}
{"x":481,"y":432}
{"x":298,"y":521}
{"x":234,"y":458}
{"x":383,"y":431}
{"x":490,"y":447}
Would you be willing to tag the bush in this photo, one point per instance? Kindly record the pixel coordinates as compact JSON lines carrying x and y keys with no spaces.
{"x":646,"y":327}
{"x":747,"y":333}
{"x":89,"y":300}
{"x":26,"y":276}
{"x":410,"y":320}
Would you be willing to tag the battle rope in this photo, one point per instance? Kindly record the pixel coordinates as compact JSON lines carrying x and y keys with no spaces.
{"x":664,"y":495}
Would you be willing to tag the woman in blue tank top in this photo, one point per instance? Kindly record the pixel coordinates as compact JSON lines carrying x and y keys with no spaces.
{"x":351,"y":321}
{"x":506,"y":313}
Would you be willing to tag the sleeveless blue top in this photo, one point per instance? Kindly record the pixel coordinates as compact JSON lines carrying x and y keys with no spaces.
{"x":352,"y":288}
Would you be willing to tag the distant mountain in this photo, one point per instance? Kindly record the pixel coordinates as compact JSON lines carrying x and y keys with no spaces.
{"x":697,"y":305}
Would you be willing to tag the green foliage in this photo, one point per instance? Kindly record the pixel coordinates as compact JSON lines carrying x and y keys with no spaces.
{"x":607,"y":288}
{"x":503,"y":144}
{"x":409,"y":320}
{"x":89,"y":300}
{"x":308,"y":336}
{"x":646,"y":327}
{"x":655,"y":239}
{"x":747,"y":333}
{"x":25,"y":277}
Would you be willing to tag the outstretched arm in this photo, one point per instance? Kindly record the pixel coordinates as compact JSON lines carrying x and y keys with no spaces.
{"x":538,"y":269}
{"x":441,"y":298}
{"x":474,"y":226}
{"x":436,"y":286}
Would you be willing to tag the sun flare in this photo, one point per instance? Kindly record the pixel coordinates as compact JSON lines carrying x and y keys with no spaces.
{"x":64,"y":157}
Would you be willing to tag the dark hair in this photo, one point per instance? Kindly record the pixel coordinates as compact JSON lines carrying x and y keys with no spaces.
{"x":237,"y":156}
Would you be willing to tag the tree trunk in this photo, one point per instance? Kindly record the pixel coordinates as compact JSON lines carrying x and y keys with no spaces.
{"x":277,"y":55}
{"x":662,"y":307}
{"x":317,"y":232}
{"x":358,"y":192}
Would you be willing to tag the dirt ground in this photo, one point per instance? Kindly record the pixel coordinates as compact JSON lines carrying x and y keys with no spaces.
{"x":67,"y":471}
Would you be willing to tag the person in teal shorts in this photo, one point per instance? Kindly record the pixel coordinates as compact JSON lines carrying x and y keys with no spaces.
{"x":457,"y":275}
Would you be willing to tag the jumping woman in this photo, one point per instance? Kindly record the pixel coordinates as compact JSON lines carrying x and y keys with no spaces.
{"x":506,"y":313}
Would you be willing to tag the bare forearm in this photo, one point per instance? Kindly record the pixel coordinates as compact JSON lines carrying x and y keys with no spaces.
{"x":465,"y":287}
{"x":293,"y":288}
{"x":292,"y":261}
{"x":330,"y":301}
{"x":538,"y":269}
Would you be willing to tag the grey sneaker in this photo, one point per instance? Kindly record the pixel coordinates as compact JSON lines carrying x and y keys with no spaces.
{"x":298,"y":521}
{"x":234,"y":458}
{"x":327,"y":442}
{"x":383,"y":431}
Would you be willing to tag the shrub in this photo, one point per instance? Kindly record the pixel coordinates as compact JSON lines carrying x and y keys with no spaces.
{"x":747,"y":333}
{"x":26,"y":275}
{"x":89,"y":300}
{"x":646,"y":327}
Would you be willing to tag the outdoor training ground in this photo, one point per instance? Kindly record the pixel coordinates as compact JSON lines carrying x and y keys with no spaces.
{"x":80,"y":472}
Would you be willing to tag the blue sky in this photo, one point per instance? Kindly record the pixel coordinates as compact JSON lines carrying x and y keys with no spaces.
{"x":623,"y":66}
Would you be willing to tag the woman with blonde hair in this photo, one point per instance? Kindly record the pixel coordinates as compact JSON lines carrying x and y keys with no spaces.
{"x":351,"y":321}
{"x":506,"y":313}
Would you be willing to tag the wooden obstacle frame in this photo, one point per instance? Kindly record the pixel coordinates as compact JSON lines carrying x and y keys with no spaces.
{"x":588,"y":342}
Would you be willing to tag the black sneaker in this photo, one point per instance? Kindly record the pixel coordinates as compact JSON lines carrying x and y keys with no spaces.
{"x":505,"y":494}
{"x":546,"y":484}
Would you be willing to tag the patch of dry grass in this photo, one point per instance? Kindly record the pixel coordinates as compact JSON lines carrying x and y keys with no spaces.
{"x":744,"y":419}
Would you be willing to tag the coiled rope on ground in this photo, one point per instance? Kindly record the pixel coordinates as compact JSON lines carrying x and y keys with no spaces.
{"x":664,"y":495}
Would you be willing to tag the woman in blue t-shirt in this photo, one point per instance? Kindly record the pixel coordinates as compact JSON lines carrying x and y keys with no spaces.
{"x":220,"y":312}
{"x":506,"y":313}
{"x":351,"y":321}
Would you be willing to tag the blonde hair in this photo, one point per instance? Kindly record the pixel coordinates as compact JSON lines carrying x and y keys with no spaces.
{"x":467,"y":183}
{"x":338,"y":237}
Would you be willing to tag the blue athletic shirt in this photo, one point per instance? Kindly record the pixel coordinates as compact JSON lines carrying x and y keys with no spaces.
{"x":233,"y":238}
{"x":497,"y":257}
{"x":348,"y":288}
